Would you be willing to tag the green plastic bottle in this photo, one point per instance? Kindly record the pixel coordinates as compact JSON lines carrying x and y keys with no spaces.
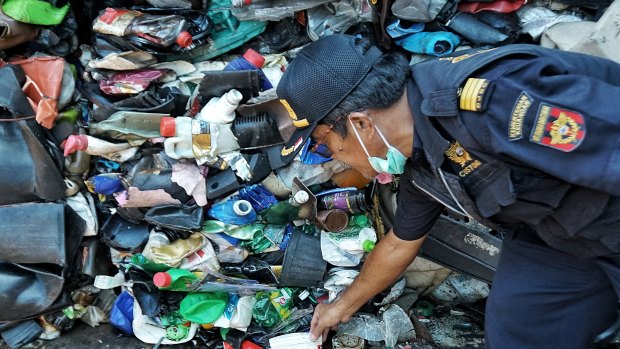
{"x":145,"y":264}
{"x":175,"y":279}
{"x":285,"y":212}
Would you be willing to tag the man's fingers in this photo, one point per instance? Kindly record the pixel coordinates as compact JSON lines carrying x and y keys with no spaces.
{"x":325,"y":332}
{"x":315,"y":331}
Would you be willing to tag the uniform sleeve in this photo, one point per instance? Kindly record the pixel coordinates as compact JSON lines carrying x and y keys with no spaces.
{"x":562,"y":121}
{"x":416,"y":213}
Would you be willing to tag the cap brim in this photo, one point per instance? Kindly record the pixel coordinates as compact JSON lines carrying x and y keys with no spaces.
{"x":294,"y":144}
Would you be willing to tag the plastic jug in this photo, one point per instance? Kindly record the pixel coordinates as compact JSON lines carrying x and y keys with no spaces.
{"x":221,"y":110}
{"x":191,"y":138}
{"x":285,"y":211}
{"x":238,"y":212}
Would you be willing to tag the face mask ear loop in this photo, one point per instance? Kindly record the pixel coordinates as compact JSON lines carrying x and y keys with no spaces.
{"x":358,"y":136}
{"x":382,"y":136}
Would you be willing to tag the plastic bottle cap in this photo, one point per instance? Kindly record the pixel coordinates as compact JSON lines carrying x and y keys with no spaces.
{"x":162,"y":279}
{"x":168,"y":126}
{"x":255,"y":58}
{"x":360,"y":220}
{"x":75,"y":143}
{"x":246,"y":344}
{"x":184,"y":39}
{"x":138,"y":259}
{"x":368,"y":245}
{"x":242,"y":207}
{"x":301,"y":197}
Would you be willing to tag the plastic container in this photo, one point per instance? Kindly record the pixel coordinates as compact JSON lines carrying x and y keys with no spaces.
{"x":129,"y":125}
{"x":303,"y":264}
{"x":270,"y":10}
{"x":145,"y":264}
{"x":190,"y":138}
{"x":163,"y":31}
{"x":201,"y":260}
{"x":285,"y":211}
{"x":175,"y":280}
{"x":251,"y":60}
{"x":352,"y":201}
{"x":238,"y":212}
{"x":221,"y":110}
{"x":119,"y":152}
{"x":171,"y":253}
{"x":203,"y":308}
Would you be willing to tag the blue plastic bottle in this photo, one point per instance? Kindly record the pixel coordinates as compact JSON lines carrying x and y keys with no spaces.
{"x":237,"y":212}
{"x":251,"y":60}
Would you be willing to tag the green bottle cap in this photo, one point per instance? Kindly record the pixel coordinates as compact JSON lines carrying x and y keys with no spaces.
{"x":368,"y":245}
{"x":361,"y":220}
{"x":138,"y":259}
{"x":177,"y":333}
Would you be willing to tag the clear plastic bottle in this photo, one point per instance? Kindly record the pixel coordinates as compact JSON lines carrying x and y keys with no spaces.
{"x":129,"y":125}
{"x":285,"y":211}
{"x":270,"y":10}
{"x":162,"y":30}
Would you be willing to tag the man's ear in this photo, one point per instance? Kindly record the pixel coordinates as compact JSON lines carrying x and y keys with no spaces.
{"x":363,"y":124}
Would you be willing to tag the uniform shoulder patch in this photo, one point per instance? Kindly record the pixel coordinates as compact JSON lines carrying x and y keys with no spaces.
{"x":475,"y":94}
{"x":558,"y":128}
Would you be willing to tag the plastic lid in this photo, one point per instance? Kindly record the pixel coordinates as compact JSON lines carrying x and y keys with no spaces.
{"x":167,"y":126}
{"x":255,"y":58}
{"x":162,"y":279}
{"x":360,"y":220}
{"x":242,"y":207}
{"x":184,"y":39}
{"x":75,"y":143}
{"x":138,"y":259}
{"x":368,"y":245}
{"x":301,"y":197}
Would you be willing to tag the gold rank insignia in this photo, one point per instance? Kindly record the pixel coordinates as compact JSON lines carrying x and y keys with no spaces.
{"x":472,"y":94}
{"x":457,"y":154}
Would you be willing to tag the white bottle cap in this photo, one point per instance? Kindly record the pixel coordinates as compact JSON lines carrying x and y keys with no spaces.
{"x":301,"y":197}
{"x":242,"y":207}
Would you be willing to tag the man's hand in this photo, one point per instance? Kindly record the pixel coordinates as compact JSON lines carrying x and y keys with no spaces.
{"x":383,"y":266}
{"x":326,"y":317}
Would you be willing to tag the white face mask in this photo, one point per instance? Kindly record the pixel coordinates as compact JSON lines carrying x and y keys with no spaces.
{"x":394,"y":162}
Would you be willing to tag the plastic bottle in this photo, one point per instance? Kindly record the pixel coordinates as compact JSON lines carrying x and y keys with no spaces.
{"x":272,"y":10}
{"x":201,"y":260}
{"x":251,"y":60}
{"x":160,"y":250}
{"x":285,"y":211}
{"x":238,"y":212}
{"x":163,"y":31}
{"x":175,"y":279}
{"x":129,"y":125}
{"x":142,"y":262}
{"x":221,"y":110}
{"x":190,"y":138}
{"x":360,"y":220}
{"x":119,"y":152}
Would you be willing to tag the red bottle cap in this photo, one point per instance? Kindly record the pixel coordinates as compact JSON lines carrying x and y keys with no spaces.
{"x":255,"y":58}
{"x":248,"y":2}
{"x":184,"y":39}
{"x":250,"y":345}
{"x":162,"y":279}
{"x":167,"y":126}
{"x":75,"y":143}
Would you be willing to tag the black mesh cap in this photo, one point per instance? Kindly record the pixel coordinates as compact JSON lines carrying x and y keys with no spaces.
{"x":318,"y":79}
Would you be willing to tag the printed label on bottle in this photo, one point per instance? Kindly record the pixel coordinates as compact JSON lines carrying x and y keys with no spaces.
{"x":115,"y":22}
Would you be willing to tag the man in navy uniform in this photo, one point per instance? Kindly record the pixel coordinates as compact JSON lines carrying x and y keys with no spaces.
{"x":520,"y":138}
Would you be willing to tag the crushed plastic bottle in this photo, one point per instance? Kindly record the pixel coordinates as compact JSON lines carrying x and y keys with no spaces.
{"x":285,"y":211}
{"x":162,"y":31}
{"x":237,"y":212}
{"x":119,"y":152}
{"x":251,"y":60}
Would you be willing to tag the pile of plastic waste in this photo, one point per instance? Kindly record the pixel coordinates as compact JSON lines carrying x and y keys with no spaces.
{"x":142,"y":183}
